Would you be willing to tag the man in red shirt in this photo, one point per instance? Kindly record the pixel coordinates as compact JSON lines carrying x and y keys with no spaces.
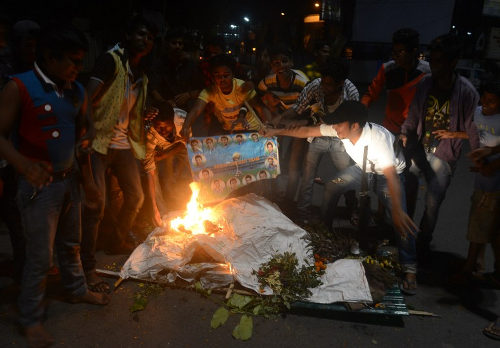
{"x":400,"y":77}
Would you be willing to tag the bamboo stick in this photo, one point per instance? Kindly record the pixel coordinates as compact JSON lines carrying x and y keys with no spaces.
{"x":229,"y":291}
{"x":423,"y":313}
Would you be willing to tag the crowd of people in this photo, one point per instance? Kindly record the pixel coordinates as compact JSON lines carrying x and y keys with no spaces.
{"x":84,"y":167}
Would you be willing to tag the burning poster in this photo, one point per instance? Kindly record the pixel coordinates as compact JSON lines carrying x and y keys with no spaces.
{"x":226,"y":162}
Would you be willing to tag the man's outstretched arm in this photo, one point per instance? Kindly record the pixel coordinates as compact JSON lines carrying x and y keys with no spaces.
{"x":300,"y":132}
{"x":402,"y":222}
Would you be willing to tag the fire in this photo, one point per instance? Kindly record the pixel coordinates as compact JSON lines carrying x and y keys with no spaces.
{"x":196,"y":217}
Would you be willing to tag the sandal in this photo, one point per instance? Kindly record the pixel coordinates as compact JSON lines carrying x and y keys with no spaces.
{"x":96,"y":284}
{"x":408,"y":286}
{"x":492,"y":331}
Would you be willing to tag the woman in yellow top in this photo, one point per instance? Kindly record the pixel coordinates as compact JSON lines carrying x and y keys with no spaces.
{"x":236,"y":105}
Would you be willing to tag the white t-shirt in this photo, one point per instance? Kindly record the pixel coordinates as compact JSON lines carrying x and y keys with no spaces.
{"x":380,"y":148}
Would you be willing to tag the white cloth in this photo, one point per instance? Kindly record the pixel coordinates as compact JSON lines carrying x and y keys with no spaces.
{"x":254,"y":231}
{"x":380,"y":148}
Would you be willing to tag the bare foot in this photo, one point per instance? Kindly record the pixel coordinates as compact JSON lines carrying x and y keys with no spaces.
{"x":37,"y":337}
{"x":91,"y":297}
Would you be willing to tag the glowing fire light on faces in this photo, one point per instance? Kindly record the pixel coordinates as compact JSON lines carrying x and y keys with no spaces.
{"x":195,"y":215}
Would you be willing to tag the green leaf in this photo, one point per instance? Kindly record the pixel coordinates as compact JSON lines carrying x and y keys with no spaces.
{"x":243,"y":331}
{"x":257,"y":309}
{"x":139,"y":304}
{"x":198,"y":287}
{"x":239,"y":301}
{"x":219,"y":318}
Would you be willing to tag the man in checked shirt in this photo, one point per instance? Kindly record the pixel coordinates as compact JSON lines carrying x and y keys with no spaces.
{"x":322,"y":95}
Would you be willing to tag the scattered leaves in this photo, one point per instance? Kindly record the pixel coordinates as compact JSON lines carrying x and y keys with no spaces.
{"x":239,"y":301}
{"x":198,"y":287}
{"x":243,"y":331}
{"x":141,"y":297}
{"x":219,"y":318}
{"x":288,"y":282}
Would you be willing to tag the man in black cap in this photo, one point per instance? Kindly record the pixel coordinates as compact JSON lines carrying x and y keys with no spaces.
{"x":384,"y":167}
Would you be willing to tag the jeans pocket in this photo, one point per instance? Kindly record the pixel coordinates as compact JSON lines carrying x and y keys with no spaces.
{"x":26,"y":193}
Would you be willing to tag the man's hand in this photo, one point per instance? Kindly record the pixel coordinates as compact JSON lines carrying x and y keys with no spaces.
{"x":151,"y":113}
{"x":85,"y":142}
{"x":240,"y":120}
{"x":403,"y":223}
{"x":484,"y":168}
{"x":182,"y":98}
{"x":37,"y":173}
{"x":478,"y":155}
{"x":403,"y":139}
{"x":268,"y":131}
{"x":446,"y":134}
{"x":185,"y":131}
{"x":157,"y":217}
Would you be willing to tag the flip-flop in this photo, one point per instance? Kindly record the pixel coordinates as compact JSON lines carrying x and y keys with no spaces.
{"x":408,"y":287}
{"x":100,"y":286}
{"x":96,"y":284}
{"x":492,"y":331}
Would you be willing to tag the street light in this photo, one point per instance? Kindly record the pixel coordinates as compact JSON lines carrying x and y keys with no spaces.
{"x":246,"y":19}
{"x":282,"y":13}
{"x":316,"y":4}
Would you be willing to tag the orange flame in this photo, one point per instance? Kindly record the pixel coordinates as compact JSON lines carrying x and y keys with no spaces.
{"x":195,"y":215}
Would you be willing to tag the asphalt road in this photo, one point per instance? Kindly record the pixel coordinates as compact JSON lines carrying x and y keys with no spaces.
{"x":181,"y":318}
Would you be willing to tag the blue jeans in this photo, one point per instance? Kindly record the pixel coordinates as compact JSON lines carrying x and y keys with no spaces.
{"x":341,"y":160}
{"x":51,"y":217}
{"x":126,"y":169}
{"x":437,"y":174}
{"x":350,"y":179}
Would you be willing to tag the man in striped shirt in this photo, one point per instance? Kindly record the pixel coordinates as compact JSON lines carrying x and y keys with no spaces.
{"x":280,"y":91}
{"x":322,"y":96}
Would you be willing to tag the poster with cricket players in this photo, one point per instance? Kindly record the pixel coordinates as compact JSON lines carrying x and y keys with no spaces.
{"x":224,"y":163}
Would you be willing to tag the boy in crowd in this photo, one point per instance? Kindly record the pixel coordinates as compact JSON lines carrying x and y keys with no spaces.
{"x":280,"y":91}
{"x":441,"y":111}
{"x":487,"y":163}
{"x":47,"y":111}
{"x":117,"y":91}
{"x":322,"y":96}
{"x":177,"y":79}
{"x":484,"y":218}
{"x":166,"y":162}
{"x":232,"y":99}
{"x":322,"y":51}
{"x":384,"y":168}
{"x":400,"y":77}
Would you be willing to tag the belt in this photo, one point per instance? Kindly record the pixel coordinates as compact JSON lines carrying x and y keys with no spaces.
{"x":430,"y":149}
{"x":63,"y":174}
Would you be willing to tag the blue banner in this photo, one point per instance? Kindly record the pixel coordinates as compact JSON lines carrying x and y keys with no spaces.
{"x":224,"y":163}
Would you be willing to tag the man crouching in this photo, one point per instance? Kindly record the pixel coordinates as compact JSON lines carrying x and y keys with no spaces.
{"x":384,"y":167}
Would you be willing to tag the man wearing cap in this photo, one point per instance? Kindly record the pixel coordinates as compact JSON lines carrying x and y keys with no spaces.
{"x":384,"y":167}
